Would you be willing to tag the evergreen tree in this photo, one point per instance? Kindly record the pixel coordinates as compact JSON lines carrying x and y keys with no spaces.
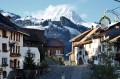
{"x":105,"y":70}
{"x":29,"y":61}
{"x":42,"y":53}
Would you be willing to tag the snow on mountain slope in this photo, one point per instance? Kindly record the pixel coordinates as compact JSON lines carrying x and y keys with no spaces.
{"x":89,"y":24}
{"x":72,"y":30}
{"x":55,"y":12}
{"x":12,"y":15}
{"x":30,"y":18}
{"x":37,"y":27}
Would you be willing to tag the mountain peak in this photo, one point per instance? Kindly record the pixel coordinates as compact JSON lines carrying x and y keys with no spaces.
{"x":55,"y":12}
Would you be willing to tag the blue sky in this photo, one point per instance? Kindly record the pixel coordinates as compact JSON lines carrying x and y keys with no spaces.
{"x":89,"y":10}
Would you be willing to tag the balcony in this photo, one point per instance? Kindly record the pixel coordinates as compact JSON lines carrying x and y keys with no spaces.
{"x":17,"y":67}
{"x":15,"y":54}
{"x":59,"y":54}
{"x":4,"y":64}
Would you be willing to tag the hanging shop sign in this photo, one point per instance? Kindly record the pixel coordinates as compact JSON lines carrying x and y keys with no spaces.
{"x":104,"y":22}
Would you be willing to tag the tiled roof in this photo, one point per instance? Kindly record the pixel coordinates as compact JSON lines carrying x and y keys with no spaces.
{"x":6,"y":24}
{"x":112,"y":32}
{"x":115,"y":39}
{"x":54,"y":42}
{"x":87,"y":36}
{"x":80,"y":36}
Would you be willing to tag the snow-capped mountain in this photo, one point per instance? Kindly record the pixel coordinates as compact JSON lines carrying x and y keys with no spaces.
{"x":63,"y":29}
{"x":12,"y":16}
{"x":55,"y":12}
{"x":28,"y":21}
{"x":61,"y":23}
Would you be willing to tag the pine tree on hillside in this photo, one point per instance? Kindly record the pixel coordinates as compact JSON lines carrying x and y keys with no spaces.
{"x":29,"y":61}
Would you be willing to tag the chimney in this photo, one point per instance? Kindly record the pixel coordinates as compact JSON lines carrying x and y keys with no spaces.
{"x":92,"y":27}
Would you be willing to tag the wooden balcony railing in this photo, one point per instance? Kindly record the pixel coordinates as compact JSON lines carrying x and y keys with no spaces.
{"x":15,"y":54}
{"x":4,"y":65}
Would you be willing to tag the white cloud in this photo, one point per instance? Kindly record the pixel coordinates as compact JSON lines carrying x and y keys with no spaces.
{"x":37,"y":14}
{"x":83,"y":15}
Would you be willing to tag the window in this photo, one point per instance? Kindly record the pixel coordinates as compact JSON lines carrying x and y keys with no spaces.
{"x":14,"y":36}
{"x":33,"y":55}
{"x":86,"y":53}
{"x":4,"y":33}
{"x":80,"y":53}
{"x":83,"y":56}
{"x":18,"y":49}
{"x":4,"y":61}
{"x":11,"y":63}
{"x":19,"y":36}
{"x":49,"y":52}
{"x":13,"y":49}
{"x":57,"y":51}
{"x":4,"y":47}
{"x":99,"y":48}
{"x":103,"y":48}
{"x":18,"y":64}
{"x":94,"y":57}
{"x":99,"y":56}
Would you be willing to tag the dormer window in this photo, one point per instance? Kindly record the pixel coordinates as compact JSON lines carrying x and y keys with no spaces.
{"x":4,"y":33}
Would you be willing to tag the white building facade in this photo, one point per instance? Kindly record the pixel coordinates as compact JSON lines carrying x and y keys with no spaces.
{"x":89,"y":45}
{"x":12,"y":51}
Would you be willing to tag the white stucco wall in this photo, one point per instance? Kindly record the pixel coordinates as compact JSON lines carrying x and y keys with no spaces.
{"x":7,"y":54}
{"x":34,"y":50}
{"x":92,"y":50}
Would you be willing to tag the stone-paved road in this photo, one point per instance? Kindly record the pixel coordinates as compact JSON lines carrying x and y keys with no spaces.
{"x":70,"y":72}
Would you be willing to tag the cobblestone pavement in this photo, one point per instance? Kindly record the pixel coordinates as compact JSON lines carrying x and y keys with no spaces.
{"x":70,"y":72}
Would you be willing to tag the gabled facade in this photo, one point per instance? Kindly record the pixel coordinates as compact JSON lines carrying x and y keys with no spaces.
{"x":13,"y":46}
{"x":11,"y":39}
{"x":88,"y":45}
{"x":55,"y":47}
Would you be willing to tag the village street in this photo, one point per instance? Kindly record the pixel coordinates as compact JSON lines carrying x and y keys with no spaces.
{"x":66,"y":72}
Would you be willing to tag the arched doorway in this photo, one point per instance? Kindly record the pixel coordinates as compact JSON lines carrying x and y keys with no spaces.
{"x":80,"y":62}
